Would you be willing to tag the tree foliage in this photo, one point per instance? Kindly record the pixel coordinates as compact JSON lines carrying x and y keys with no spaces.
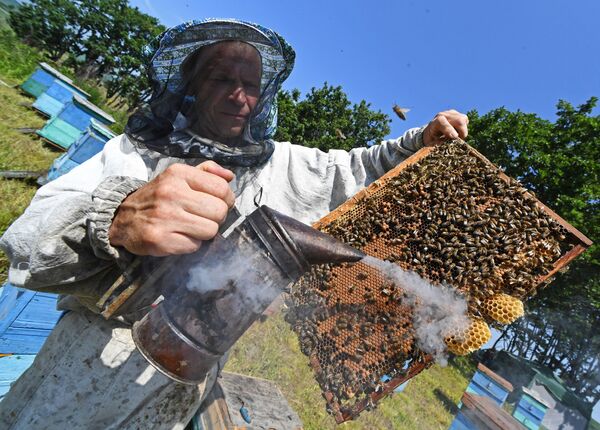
{"x":100,"y":38}
{"x":46,"y":24}
{"x":326,"y":119}
{"x":560,"y":162}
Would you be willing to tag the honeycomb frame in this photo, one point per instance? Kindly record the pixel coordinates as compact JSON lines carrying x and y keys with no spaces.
{"x":344,"y":304}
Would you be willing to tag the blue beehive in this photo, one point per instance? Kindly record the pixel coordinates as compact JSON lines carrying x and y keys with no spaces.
{"x":26,"y":320}
{"x":530,"y":409}
{"x":56,"y":96}
{"x":487,"y":383}
{"x":72,"y":121}
{"x":43,"y":77}
{"x":32,"y":316}
{"x":11,"y":367}
{"x":482,"y":413}
{"x":88,"y":145}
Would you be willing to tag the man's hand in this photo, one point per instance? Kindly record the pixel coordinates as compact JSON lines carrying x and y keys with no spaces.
{"x":447,"y":125}
{"x":175,"y":212}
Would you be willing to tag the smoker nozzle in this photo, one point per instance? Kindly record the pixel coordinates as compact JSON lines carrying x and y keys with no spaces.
{"x":317,"y":247}
{"x":297,"y":245}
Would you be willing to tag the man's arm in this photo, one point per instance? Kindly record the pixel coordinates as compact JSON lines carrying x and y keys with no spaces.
{"x":56,"y":245}
{"x":81,"y":230}
{"x":311,"y":183}
{"x":361,"y":166}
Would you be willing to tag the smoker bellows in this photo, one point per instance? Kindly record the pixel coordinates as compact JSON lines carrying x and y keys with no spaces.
{"x":451,"y":216}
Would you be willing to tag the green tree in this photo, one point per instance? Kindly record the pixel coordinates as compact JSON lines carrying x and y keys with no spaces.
{"x":112,"y":36}
{"x":560,"y":162}
{"x":49,"y":25}
{"x":129,"y":80}
{"x":102,"y":37}
{"x":326,"y":119}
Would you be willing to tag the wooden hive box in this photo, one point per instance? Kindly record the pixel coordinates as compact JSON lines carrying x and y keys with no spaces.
{"x":482,"y":413}
{"x":265,"y":405}
{"x":451,"y":216}
{"x":43,"y":77}
{"x":487,"y":383}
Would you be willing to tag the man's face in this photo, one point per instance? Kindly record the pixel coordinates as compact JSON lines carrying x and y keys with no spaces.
{"x":227,"y":89}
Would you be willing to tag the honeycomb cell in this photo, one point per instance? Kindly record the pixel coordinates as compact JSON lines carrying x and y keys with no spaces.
{"x":470,"y":339}
{"x":503,"y":308}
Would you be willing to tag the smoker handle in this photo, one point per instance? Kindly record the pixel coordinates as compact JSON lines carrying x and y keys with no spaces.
{"x":232,"y":216}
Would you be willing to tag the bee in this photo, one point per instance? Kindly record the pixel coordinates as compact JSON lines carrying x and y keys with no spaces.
{"x":401,"y":112}
{"x":339,"y":134}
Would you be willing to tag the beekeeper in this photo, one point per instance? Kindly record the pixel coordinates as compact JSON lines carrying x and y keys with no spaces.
{"x":202,"y":144}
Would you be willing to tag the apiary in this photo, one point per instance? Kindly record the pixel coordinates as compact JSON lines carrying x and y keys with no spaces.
{"x":456,"y":220}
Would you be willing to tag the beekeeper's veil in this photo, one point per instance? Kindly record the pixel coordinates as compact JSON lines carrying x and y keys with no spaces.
{"x":162,"y":124}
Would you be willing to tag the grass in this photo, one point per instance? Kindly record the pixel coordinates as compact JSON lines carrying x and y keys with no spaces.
{"x":594,"y":425}
{"x":269,"y":350}
{"x":18,"y":151}
{"x":17,"y":60}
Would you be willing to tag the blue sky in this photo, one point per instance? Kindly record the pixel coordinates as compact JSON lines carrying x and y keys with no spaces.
{"x":428,"y":55}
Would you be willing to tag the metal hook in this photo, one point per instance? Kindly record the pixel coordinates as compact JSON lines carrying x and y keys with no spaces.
{"x":258,"y":197}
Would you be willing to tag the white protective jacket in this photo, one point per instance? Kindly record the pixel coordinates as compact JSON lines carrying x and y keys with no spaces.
{"x":89,"y":374}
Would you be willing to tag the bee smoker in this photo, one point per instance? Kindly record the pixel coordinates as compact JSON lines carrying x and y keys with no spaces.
{"x":211,"y":297}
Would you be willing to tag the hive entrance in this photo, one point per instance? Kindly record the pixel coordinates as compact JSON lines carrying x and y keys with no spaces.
{"x":452,"y":217}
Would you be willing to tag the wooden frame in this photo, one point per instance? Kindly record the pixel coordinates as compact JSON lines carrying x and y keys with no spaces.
{"x":579,"y":241}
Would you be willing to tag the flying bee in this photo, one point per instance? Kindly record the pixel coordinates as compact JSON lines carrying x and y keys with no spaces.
{"x":401,"y":112}
{"x":340,"y":134}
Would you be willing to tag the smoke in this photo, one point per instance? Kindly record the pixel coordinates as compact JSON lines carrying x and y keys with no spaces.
{"x":438,"y":310}
{"x":235,"y":276}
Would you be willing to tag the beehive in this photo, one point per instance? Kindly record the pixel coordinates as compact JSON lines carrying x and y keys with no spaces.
{"x":452,"y":217}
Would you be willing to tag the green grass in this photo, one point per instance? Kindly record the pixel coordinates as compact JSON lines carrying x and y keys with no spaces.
{"x":269,"y":350}
{"x":17,"y":61}
{"x":18,"y":151}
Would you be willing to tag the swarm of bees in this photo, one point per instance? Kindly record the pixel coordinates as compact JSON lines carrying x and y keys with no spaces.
{"x":451,"y":217}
